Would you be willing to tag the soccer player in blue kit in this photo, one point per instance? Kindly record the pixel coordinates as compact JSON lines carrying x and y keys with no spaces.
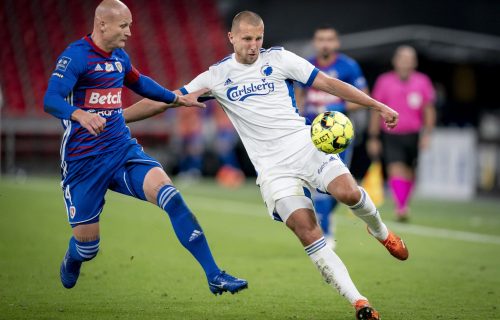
{"x":98,"y":152}
{"x":313,"y":102}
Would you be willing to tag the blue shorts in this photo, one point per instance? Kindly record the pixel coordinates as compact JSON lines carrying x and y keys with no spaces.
{"x":86,"y":181}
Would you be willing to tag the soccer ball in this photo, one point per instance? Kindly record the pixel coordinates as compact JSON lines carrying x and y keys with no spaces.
{"x":332,"y":132}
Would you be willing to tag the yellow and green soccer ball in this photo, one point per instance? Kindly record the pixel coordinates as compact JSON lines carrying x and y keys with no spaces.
{"x":332,"y":132}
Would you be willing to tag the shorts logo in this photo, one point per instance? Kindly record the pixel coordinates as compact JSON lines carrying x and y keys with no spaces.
{"x":98,"y":67}
{"x":72,"y":212}
{"x":119,"y":67}
{"x":103,"y":98}
{"x":109,"y":67}
{"x":63,"y":63}
{"x":323,"y":165}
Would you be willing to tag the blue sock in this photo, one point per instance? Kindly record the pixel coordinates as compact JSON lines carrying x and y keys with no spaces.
{"x":324,"y":207}
{"x":187,"y":229}
{"x":83,"y":251}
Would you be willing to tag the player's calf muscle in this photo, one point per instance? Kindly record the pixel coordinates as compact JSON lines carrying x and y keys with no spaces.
{"x":304,"y":225}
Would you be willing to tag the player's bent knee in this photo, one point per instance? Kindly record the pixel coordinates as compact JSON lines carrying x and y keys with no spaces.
{"x":154,"y":181}
{"x":349,"y":195}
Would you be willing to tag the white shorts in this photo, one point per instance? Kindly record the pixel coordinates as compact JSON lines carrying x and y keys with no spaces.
{"x":311,"y":169}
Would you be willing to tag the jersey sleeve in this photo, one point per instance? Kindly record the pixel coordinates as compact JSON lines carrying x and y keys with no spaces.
{"x":200,"y":82}
{"x":131,"y":73}
{"x":298,"y":68}
{"x":69,"y":66}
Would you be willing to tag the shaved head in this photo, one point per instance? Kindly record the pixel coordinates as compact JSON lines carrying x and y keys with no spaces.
{"x":112,"y":23}
{"x":107,"y":10}
{"x":247,"y":17}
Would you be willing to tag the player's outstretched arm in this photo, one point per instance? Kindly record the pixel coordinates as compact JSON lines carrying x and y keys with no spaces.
{"x":147,"y":108}
{"x":354,"y":95}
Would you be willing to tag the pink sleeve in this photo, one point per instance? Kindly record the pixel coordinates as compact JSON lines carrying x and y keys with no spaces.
{"x":378,"y":89}
{"x":429,"y":93}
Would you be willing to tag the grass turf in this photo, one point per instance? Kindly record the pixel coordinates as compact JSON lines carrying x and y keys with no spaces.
{"x":142,"y":272}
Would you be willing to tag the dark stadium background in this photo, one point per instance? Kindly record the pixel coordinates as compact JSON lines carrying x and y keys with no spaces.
{"x":458,"y":44}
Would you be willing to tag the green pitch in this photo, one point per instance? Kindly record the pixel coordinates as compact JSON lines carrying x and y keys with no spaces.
{"x":142,"y":272}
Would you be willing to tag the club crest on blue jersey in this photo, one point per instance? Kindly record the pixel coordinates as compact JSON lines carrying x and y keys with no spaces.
{"x":63,"y":63}
{"x":119,"y":66}
{"x":109,"y":67}
{"x":266,"y":70}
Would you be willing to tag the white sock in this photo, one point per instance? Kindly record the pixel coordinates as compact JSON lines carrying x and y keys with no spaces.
{"x":366,"y":210}
{"x":333,"y":270}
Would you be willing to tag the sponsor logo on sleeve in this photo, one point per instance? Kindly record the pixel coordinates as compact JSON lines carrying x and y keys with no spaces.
{"x":63,"y":63}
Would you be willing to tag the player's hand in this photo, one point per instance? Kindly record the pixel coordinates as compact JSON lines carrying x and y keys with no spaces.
{"x":189,"y":100}
{"x":93,"y":122}
{"x":390,"y":117}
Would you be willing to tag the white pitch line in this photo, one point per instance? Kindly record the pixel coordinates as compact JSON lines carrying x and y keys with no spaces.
{"x":259,"y":210}
{"x":445,"y":233}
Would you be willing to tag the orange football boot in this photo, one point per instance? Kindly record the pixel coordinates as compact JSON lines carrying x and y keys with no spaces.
{"x":395,"y":245}
{"x":364,"y":311}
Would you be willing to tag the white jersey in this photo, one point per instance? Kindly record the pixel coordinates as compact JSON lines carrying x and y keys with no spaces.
{"x":259,"y":100}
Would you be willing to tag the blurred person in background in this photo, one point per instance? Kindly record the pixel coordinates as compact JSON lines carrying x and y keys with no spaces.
{"x":191,"y":143}
{"x":312,"y":102}
{"x":229,"y":174}
{"x":189,"y":137}
{"x":412,"y":95}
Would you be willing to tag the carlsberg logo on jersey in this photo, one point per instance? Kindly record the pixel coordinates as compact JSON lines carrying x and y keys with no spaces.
{"x":240,"y":93}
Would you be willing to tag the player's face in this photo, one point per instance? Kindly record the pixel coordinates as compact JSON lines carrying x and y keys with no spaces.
{"x":117,"y":29}
{"x":247,"y":41}
{"x":326,"y":42}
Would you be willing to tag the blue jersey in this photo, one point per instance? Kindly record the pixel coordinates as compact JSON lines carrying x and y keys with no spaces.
{"x":95,"y":79}
{"x":342,"y":68}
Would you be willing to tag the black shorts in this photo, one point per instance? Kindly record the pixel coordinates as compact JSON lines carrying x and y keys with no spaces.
{"x":401,"y":148}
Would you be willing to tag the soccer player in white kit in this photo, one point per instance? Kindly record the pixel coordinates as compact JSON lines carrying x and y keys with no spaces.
{"x":255,"y":88}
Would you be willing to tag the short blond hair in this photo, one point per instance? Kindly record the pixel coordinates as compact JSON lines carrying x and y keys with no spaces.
{"x":249,"y":17}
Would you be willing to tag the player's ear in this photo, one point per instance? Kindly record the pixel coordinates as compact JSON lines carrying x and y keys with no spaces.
{"x":102,"y":26}
{"x":230,"y":37}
